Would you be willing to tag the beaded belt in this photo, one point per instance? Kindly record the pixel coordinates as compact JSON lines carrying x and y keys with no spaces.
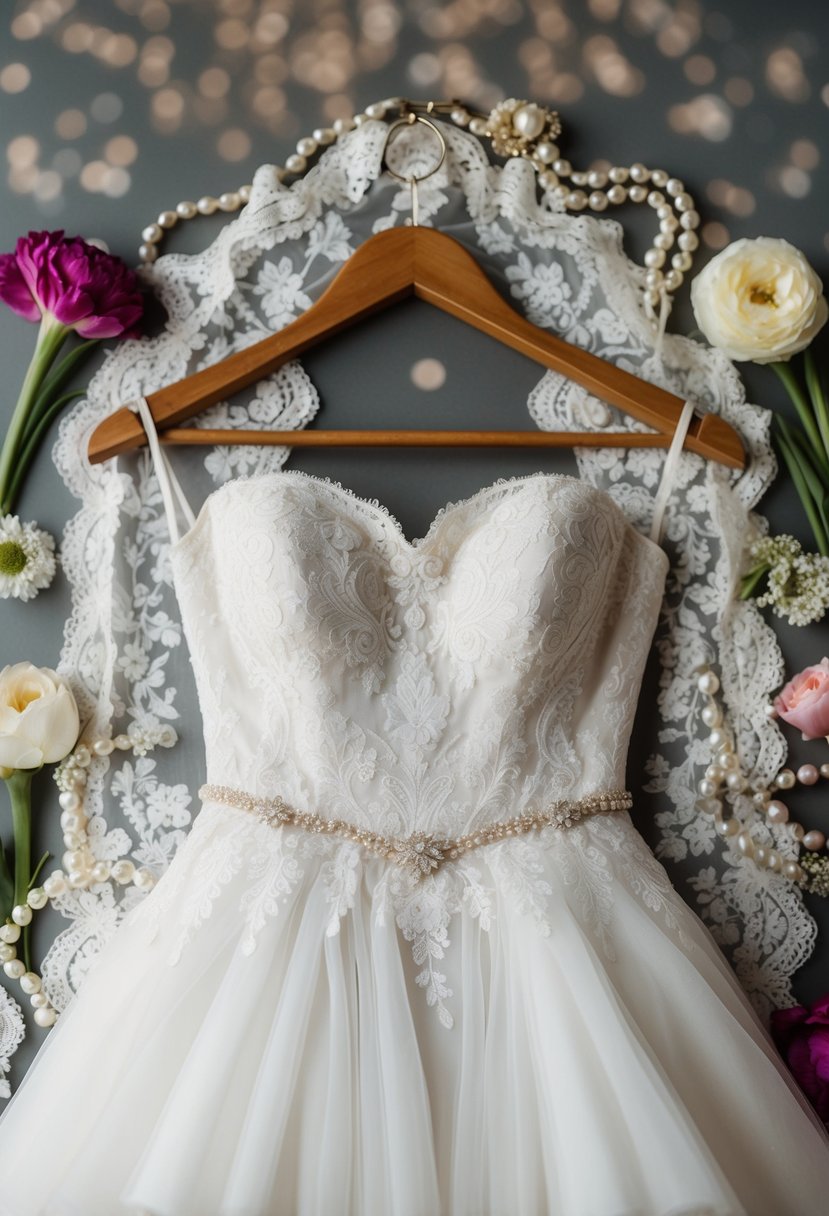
{"x":422,"y":852}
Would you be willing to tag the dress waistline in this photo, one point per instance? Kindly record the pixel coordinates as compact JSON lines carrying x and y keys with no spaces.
{"x":421,"y":852}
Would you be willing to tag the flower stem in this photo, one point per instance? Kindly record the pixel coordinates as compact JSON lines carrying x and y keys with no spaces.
{"x":51,"y":337}
{"x":752,"y":579}
{"x":818,"y":397}
{"x":19,"y":785}
{"x":32,"y":440}
{"x":789,"y":452}
{"x":807,"y":418}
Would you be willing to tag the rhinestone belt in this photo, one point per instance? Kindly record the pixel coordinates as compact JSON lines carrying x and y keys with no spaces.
{"x":422,"y":852}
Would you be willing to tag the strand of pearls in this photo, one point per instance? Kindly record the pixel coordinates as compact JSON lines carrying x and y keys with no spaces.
{"x":82,"y":869}
{"x":723,"y":778}
{"x":514,"y":128}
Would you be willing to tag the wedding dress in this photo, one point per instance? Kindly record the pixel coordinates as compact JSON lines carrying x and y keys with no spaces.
{"x":413,"y":958}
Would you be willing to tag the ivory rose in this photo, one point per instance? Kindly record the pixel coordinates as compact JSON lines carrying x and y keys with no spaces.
{"x":804,"y":701}
{"x":759,"y":300}
{"x":39,"y":718}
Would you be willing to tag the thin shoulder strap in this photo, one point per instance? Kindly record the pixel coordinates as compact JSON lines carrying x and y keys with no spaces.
{"x":167,"y":480}
{"x":669,"y":469}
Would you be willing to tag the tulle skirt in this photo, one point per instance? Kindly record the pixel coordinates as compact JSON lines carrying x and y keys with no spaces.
{"x":310,"y":1076}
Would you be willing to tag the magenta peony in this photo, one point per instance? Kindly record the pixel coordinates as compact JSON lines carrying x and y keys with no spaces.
{"x":804,"y":701}
{"x":802,"y":1037}
{"x":83,"y":288}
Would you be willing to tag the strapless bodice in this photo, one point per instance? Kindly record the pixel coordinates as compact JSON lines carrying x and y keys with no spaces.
{"x":436,"y":685}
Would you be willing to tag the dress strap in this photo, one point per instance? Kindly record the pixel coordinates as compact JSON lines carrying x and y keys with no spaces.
{"x":669,"y":469}
{"x":167,"y":480}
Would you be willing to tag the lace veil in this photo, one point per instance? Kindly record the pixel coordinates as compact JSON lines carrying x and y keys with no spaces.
{"x":123,"y":649}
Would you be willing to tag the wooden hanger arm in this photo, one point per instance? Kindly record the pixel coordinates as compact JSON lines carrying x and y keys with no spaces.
{"x":387,"y":268}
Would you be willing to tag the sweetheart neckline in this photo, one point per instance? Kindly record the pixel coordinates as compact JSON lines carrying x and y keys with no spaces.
{"x":381,"y":513}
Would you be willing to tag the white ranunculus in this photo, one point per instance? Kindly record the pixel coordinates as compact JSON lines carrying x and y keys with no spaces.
{"x":39,"y":718}
{"x":759,"y":300}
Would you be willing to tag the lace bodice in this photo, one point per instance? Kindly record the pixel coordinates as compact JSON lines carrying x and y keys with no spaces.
{"x":417,"y":685}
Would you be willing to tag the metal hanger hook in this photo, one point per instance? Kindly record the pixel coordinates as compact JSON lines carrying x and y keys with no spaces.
{"x":412,"y":181}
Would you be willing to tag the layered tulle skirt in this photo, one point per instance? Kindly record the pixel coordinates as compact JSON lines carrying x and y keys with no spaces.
{"x":279,"y":1030}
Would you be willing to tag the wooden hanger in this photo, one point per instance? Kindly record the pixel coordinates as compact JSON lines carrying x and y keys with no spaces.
{"x":389,"y":267}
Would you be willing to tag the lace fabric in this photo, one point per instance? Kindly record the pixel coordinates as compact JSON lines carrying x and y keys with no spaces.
{"x":124,"y":647}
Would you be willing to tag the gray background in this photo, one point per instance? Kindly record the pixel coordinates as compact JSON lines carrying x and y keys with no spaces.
{"x":110,"y":113}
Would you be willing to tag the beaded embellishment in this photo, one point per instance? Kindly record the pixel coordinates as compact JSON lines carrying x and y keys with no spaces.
{"x":421,"y":852}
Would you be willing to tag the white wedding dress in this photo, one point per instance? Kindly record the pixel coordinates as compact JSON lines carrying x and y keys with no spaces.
{"x":333,"y":1022}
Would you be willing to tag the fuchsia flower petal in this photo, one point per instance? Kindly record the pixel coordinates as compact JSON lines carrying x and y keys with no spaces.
{"x":802,"y":1037}
{"x":14,"y":290}
{"x":83,"y":287}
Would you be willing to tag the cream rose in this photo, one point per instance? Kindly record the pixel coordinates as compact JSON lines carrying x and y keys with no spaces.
{"x":759,"y":300}
{"x":39,"y":718}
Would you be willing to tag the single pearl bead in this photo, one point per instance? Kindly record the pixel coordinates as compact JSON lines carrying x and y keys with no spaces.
{"x":186,"y":210}
{"x":785,"y":779}
{"x":327,"y":135}
{"x":100,"y":871}
{"x":55,"y":884}
{"x":813,"y":841}
{"x":714,"y":772}
{"x":760,"y":798}
{"x":70,"y":822}
{"x":73,"y":859}
{"x":308,"y":145}
{"x":597,"y":179}
{"x":528,"y":121}
{"x":123,"y":871}
{"x":774,"y":861}
{"x":735,"y":782}
{"x":123,"y":742}
{"x":824,"y":770}
{"x":167,"y":219}
{"x":152,"y":233}
{"x":728,"y":827}
{"x":7,"y":952}
{"x":618,"y":173}
{"x":562,"y":167}
{"x":655,"y":198}
{"x":576,"y":200}
{"x":598,"y":201}
{"x":549,"y":181}
{"x":228,"y":201}
{"x":207,"y":204}
{"x":682,"y":262}
{"x":689,"y":219}
{"x":21,"y":914}
{"x":147,"y":253}
{"x":655,"y":257}
{"x":477,"y":126}
{"x":38,"y":1000}
{"x":726,"y":759}
{"x":791,"y":869}
{"x":807,"y":774}
{"x":37,"y":898}
{"x":69,"y":801}
{"x":669,"y":224}
{"x":798,"y":831}
{"x":683,"y":202}
{"x":296,"y":163}
{"x":674,"y":279}
{"x":579,"y":179}
{"x":244,"y":193}
{"x":77,"y":878}
{"x":14,"y":968}
{"x":638,"y":172}
{"x":761,"y":855}
{"x":663,"y":240}
{"x":546,"y":152}
{"x":617,"y":194}
{"x":711,"y":715}
{"x":688,"y":241}
{"x":706,"y":788}
{"x":653,"y":277}
{"x":717,"y":738}
{"x":460,"y":117}
{"x":708,"y":683}
{"x":10,"y":934}
{"x":745,"y":843}
{"x":638,"y":194}
{"x":144,"y":879}
{"x":341,"y":125}
{"x":103,"y":747}
{"x":377,"y":109}
{"x":45,"y":1017}
{"x":777,"y":811}
{"x":30,"y":983}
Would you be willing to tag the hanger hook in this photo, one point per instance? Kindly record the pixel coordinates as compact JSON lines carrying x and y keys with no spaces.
{"x":412,"y":181}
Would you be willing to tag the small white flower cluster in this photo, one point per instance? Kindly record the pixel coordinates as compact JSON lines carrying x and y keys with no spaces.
{"x":27,"y":559}
{"x":798,"y":582}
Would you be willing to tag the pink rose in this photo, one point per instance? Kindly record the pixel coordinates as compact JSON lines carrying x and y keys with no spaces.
{"x":804,"y":701}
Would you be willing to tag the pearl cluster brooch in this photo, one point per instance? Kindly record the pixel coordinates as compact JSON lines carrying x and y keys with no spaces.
{"x":514,"y":128}
{"x":81,"y":868}
{"x":723,"y":779}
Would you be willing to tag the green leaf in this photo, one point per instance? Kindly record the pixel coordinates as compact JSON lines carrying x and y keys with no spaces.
{"x":789,"y":453}
{"x":804,"y":410}
{"x":54,"y":383}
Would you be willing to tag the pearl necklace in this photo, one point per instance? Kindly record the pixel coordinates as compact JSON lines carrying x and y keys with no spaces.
{"x":82,"y":870}
{"x":723,"y":778}
{"x":514,"y":128}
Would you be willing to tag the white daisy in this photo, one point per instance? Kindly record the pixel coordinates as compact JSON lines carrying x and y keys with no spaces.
{"x":27,"y":559}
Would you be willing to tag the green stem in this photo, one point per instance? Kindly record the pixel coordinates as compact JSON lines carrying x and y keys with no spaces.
{"x":789,"y":453}
{"x":31,"y":441}
{"x":49,"y":341}
{"x":818,"y":397}
{"x":751,"y":580}
{"x":803,"y":408}
{"x":19,"y":785}
{"x":54,"y":383}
